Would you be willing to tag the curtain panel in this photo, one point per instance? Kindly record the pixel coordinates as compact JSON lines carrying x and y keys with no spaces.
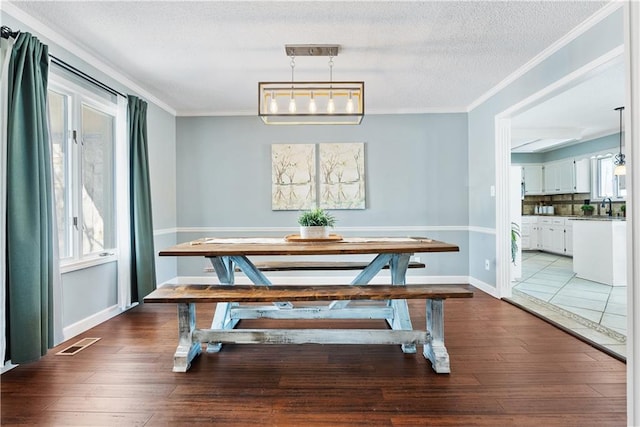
{"x":6,"y":46}
{"x":29,"y":201}
{"x":143,"y":269}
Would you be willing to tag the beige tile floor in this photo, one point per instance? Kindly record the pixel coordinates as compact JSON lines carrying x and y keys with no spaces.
{"x":593,"y":310}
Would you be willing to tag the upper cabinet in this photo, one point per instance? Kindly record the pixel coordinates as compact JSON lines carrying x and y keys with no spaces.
{"x":532,"y":178}
{"x":558,"y":177}
{"x":583,"y":176}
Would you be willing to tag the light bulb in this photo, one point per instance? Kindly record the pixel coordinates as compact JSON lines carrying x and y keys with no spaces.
{"x":349,"y":106}
{"x":312,"y":105}
{"x":620,"y":170}
{"x":273,"y":105}
{"x":292,"y":105}
{"x":331,"y":107}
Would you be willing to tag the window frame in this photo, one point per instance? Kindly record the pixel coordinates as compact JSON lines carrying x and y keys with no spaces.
{"x":596,"y":194}
{"x":77,"y":97}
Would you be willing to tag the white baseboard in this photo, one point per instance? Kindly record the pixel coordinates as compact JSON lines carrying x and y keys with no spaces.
{"x":91,"y":321}
{"x":7,"y":367}
{"x":484,"y":287}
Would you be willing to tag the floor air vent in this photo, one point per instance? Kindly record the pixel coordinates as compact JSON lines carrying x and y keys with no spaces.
{"x":77,"y":347}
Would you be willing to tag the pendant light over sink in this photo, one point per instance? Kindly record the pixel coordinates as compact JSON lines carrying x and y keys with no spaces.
{"x":621,"y":167}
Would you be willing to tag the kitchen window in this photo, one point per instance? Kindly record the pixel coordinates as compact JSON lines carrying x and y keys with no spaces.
{"x":606,"y":184}
{"x":83,"y":137}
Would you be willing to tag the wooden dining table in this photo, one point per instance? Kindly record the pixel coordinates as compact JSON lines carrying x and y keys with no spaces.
{"x":227,"y":255}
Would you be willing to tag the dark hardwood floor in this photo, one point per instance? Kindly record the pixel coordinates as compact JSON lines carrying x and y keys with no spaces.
{"x":508,"y":368}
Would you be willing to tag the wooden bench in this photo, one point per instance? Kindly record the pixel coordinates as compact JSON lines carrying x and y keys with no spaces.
{"x":317,"y":265}
{"x":190,"y":338}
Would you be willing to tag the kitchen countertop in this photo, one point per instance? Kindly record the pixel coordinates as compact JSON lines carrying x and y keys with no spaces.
{"x":598,"y":218}
{"x":582,"y":217}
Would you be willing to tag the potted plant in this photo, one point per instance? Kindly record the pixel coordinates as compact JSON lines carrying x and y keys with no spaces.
{"x":515,"y":235}
{"x":314,"y":223}
{"x":587,"y":209}
{"x":623,"y":209}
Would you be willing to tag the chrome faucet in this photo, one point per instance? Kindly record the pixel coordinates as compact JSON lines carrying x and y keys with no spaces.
{"x":610,"y":211}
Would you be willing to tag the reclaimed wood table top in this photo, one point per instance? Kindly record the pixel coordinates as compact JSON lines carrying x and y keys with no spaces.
{"x":215,"y":247}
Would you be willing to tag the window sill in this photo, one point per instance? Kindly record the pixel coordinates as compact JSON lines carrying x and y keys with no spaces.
{"x":69,"y":266}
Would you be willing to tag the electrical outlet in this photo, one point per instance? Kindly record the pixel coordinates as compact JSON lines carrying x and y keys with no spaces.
{"x":487,"y":265}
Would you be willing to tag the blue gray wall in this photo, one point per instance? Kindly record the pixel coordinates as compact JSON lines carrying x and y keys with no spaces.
{"x":161,"y":131}
{"x":416,"y":175}
{"x":594,"y":43}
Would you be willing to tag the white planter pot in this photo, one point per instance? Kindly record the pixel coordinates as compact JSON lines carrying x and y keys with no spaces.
{"x":315,"y":232}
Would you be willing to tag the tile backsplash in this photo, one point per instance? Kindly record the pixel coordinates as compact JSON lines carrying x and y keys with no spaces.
{"x":566,"y":204}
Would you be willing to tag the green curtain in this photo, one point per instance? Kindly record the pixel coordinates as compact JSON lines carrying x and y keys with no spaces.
{"x":143,"y":269}
{"x":29,"y":244}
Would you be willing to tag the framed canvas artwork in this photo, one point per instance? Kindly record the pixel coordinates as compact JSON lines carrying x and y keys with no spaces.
{"x":293,"y":176}
{"x":342,"y":180}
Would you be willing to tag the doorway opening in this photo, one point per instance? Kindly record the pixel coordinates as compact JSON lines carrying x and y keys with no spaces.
{"x":507,"y":220}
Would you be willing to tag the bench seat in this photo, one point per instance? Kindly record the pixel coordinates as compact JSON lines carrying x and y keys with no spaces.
{"x":274,"y":293}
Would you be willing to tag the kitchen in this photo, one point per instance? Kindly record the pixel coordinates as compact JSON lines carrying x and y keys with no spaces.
{"x":571,"y":236}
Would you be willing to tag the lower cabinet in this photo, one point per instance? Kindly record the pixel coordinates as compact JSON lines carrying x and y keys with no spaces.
{"x":550,"y":234}
{"x":529,"y":233}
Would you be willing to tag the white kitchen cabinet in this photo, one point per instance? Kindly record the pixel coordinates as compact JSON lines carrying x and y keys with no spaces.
{"x":545,"y":234}
{"x":559,"y":177}
{"x":552,"y":235}
{"x":567,"y":176}
{"x":564,"y":176}
{"x":532,"y":176}
{"x":534,"y":237}
{"x":529,"y":233}
{"x":583,"y":176}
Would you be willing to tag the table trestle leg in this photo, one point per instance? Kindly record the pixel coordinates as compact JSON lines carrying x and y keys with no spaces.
{"x":256,"y":276}
{"x":435,"y":351}
{"x":224,"y":269}
{"x":398,"y":265}
{"x":365,"y":276}
{"x":187,"y":349}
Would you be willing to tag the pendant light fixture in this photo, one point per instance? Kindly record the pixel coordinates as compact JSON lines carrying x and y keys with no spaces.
{"x":621,"y":167}
{"x":320,"y":102}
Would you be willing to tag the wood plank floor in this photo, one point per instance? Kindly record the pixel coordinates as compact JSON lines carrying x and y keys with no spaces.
{"x":508,"y":368}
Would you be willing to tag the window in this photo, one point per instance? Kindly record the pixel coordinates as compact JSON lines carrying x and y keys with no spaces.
{"x":606,"y":184}
{"x":83,"y":130}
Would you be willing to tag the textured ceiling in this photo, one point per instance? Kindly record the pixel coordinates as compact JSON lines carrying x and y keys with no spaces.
{"x":208,"y":57}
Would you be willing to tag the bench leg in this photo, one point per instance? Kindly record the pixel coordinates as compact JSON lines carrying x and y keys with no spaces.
{"x":187,"y":349}
{"x":435,"y":351}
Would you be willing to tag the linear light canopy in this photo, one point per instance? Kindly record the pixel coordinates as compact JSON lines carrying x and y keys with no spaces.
{"x":302,"y":103}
